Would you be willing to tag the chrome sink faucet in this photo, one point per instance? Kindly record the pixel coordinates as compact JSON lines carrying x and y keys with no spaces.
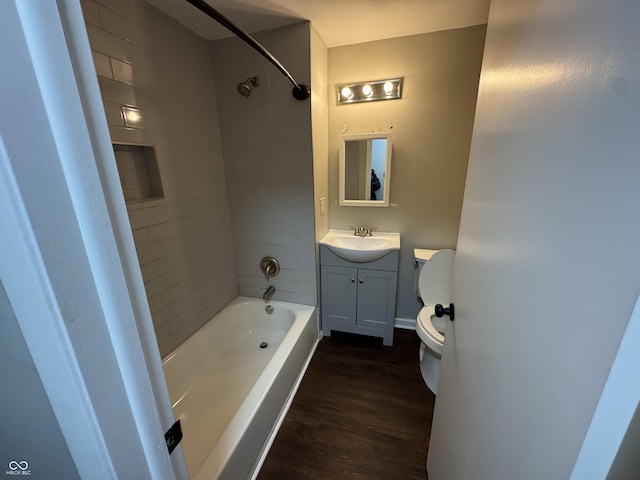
{"x":362,"y":232}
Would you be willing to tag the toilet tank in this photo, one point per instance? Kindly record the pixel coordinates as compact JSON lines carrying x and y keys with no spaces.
{"x":421,"y":256}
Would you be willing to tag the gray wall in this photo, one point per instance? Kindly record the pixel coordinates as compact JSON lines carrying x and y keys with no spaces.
{"x":432,"y":126}
{"x":146,"y":60}
{"x":30,"y":431}
{"x":320,"y":127}
{"x":268,"y":160}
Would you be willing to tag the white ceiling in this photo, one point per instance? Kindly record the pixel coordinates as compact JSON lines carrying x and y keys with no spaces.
{"x":339,"y":22}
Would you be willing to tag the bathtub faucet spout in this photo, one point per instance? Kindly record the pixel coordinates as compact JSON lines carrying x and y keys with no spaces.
{"x":269,"y":293}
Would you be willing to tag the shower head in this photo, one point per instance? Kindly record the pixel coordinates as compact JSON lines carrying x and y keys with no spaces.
{"x":244,"y":88}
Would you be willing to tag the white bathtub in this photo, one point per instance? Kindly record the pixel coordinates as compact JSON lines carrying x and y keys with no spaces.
{"x":229,"y":393}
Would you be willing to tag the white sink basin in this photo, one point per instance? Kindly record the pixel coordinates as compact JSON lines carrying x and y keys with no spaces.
{"x":361,"y":249}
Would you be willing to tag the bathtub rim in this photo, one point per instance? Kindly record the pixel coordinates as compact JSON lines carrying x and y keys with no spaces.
{"x":306,"y":321}
{"x":285,"y":409}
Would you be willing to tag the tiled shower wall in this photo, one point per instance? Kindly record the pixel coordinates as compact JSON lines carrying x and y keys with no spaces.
{"x":267,"y":145}
{"x":147,"y":61}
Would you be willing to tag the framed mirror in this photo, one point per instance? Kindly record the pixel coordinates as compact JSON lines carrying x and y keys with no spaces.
{"x":365,"y":170}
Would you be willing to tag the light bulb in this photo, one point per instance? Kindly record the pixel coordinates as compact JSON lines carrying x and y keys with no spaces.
{"x":388,"y":88}
{"x":347,"y":93}
{"x":366,"y":90}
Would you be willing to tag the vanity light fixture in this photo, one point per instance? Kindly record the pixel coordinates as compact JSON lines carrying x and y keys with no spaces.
{"x":370,"y":91}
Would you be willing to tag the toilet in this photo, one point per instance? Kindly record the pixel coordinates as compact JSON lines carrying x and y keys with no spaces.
{"x":433,"y":286}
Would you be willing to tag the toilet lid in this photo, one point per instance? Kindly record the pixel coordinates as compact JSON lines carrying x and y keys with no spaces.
{"x":434,"y":283}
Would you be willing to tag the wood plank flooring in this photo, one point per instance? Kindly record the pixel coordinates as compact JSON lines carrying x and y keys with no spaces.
{"x":362,"y":412}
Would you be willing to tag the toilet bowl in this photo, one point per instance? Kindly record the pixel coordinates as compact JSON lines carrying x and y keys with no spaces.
{"x":434,"y":286}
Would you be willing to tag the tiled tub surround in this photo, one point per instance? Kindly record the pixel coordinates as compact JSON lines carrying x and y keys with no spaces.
{"x":139,"y":174}
{"x":230,"y":393}
{"x":268,"y":160}
{"x":200,"y":246}
{"x":147,"y":62}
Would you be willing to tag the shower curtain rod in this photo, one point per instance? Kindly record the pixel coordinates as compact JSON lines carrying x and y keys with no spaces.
{"x":300,"y":91}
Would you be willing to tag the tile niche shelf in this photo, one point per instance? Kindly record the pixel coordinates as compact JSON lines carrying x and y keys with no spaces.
{"x":139,"y":173}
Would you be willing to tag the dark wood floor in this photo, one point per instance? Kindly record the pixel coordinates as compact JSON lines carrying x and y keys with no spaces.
{"x":362,"y":412}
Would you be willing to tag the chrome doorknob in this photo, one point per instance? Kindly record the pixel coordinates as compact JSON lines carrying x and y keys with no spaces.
{"x":440,"y":311}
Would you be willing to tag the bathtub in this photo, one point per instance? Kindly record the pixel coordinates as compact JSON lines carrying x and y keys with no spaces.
{"x":232,"y":382}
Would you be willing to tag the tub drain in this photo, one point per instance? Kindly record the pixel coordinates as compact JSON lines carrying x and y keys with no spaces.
{"x":264,"y":345}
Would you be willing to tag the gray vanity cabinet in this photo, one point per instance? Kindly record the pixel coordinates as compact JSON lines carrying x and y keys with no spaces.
{"x":358,"y":297}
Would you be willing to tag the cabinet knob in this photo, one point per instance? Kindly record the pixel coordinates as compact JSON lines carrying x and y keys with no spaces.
{"x":361,"y":281}
{"x":353,"y":280}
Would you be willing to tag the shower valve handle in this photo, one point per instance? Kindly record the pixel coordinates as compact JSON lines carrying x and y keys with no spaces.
{"x":440,"y":311}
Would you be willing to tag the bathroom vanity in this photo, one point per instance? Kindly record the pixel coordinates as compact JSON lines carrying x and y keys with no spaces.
{"x":358,"y":297}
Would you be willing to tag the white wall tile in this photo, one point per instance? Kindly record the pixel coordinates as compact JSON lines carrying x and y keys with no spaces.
{"x":114,"y":114}
{"x":131,"y":135}
{"x":280,"y":239}
{"x":155,"y":304}
{"x":159,"y":232}
{"x":110,"y":45}
{"x":165,"y":263}
{"x":118,"y":24}
{"x":148,"y":216}
{"x":164,"y":77}
{"x":90,"y":12}
{"x":141,"y":236}
{"x":168,"y":313}
{"x":102,"y":64}
{"x":161,"y":283}
{"x":122,"y":71}
{"x":307,"y":264}
{"x":154,"y":251}
{"x":297,"y":200}
{"x":184,"y":241}
{"x":118,"y":93}
{"x":172,"y":293}
{"x":295,"y":227}
{"x":162,"y":334}
{"x":119,"y":6}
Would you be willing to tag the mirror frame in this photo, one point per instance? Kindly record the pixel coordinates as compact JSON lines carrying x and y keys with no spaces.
{"x":387,"y":168}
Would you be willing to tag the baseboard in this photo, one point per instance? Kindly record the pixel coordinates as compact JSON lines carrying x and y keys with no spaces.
{"x":405,"y":323}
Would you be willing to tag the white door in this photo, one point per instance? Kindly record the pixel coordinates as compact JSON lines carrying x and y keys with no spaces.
{"x":548,"y":259}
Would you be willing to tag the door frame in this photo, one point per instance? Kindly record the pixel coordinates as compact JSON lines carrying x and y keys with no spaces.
{"x":616,"y":408}
{"x":70,"y":266}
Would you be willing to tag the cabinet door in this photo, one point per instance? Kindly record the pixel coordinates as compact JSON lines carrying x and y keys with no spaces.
{"x":376,"y":298}
{"x":338,"y":295}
